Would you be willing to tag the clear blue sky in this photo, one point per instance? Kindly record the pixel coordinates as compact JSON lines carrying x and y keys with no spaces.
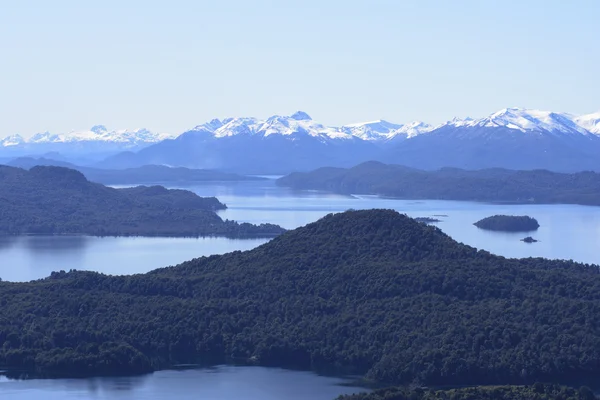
{"x":170,"y":65}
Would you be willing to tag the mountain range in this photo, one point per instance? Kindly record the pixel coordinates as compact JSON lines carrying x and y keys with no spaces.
{"x":97,"y":142}
{"x":513,"y":138}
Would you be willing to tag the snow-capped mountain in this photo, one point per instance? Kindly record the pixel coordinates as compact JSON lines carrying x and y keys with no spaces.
{"x":515,"y":138}
{"x":590,"y":122}
{"x":97,"y":133}
{"x":525,"y":121}
{"x":278,"y":144}
{"x":382,"y":130}
{"x":12,"y":140}
{"x":97,"y":140}
{"x":297,"y":124}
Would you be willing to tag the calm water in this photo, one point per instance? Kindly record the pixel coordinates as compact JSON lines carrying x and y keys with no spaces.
{"x":220,"y":383}
{"x":566,"y":232}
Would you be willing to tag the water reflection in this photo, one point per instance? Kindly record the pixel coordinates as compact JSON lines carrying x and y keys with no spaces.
{"x":6,"y":242}
{"x":55,"y":244}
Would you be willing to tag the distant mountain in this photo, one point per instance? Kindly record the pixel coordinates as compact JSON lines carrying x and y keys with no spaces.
{"x":590,"y":122}
{"x":513,"y":138}
{"x":490,"y":185}
{"x":98,"y":141}
{"x":56,"y":200}
{"x":277,"y":145}
{"x":146,"y":174}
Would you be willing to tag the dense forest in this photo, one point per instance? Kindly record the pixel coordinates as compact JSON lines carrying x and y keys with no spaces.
{"x":57,"y":200}
{"x":537,"y":391}
{"x":369,"y":292}
{"x":146,"y":174}
{"x":490,"y":185}
{"x":508,"y":223}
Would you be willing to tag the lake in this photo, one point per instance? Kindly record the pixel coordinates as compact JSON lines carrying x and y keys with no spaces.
{"x":219,"y":383}
{"x":566,"y":231}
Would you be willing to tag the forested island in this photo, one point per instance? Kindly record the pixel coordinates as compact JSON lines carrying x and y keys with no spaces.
{"x":373,"y":293}
{"x":537,"y":391}
{"x":146,"y":174}
{"x":508,"y":223}
{"x":487,"y":185}
{"x":55,"y":200}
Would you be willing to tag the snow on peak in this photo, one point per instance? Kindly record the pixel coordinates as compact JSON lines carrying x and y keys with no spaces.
{"x":97,"y":133}
{"x":300,"y":123}
{"x":297,"y":124}
{"x":384,"y":130}
{"x":524,"y":120}
{"x":12,"y":140}
{"x":210,"y":126}
{"x":590,"y":122}
{"x":300,"y":116}
{"x":415,"y":128}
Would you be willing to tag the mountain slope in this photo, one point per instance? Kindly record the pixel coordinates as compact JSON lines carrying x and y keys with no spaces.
{"x":250,"y":146}
{"x":371,"y":292}
{"x":56,"y":200}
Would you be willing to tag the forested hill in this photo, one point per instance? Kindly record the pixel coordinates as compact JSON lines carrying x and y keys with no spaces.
{"x":370,"y":292}
{"x":146,"y":174}
{"x":492,"y":185}
{"x":57,"y":200}
{"x":537,"y":391}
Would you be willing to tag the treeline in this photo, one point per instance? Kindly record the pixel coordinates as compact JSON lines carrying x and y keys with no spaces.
{"x":367,"y":292}
{"x":508,"y":223}
{"x":537,"y":391}
{"x":56,"y":200}
{"x":490,"y":185}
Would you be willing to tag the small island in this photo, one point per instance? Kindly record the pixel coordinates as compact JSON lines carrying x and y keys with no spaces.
{"x":508,"y":223}
{"x":529,"y":239}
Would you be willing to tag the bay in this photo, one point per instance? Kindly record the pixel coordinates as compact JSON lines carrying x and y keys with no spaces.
{"x":218,"y":383}
{"x":566,"y":231}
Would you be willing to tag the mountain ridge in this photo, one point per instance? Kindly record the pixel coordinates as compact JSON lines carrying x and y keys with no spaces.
{"x":513,"y":138}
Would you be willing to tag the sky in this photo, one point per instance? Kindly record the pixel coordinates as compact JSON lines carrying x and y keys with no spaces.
{"x":170,"y":65}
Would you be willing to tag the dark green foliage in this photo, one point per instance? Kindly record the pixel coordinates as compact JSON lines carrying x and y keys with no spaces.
{"x":370,"y":292}
{"x":529,"y":239}
{"x":508,"y":223}
{"x":537,"y":391}
{"x":492,"y":185}
{"x":57,"y":200}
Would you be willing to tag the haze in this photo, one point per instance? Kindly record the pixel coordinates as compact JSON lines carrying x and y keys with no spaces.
{"x":169,"y":66}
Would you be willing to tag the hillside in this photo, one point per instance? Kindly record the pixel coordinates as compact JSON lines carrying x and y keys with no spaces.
{"x":369,"y":292}
{"x":57,"y":200}
{"x":489,"y":185}
{"x":146,"y":174}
